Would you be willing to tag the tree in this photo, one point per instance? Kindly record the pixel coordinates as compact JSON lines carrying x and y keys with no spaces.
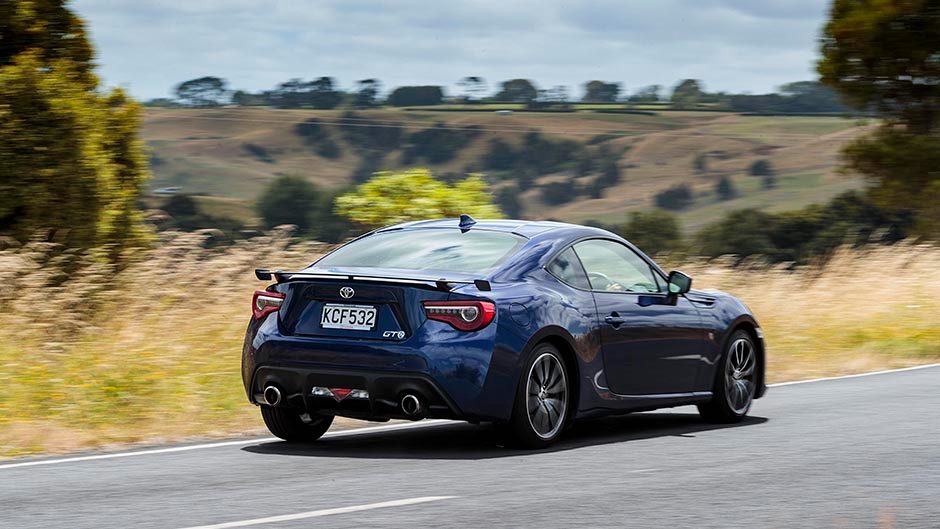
{"x":743,"y":233}
{"x":500,"y":155}
{"x":289,"y":200}
{"x":883,"y":56}
{"x":247,"y":99}
{"x":761,"y":168}
{"x":811,"y":96}
{"x":517,"y":91}
{"x":367,"y":93}
{"x":653,"y":231}
{"x":473,"y":87}
{"x":557,"y":193}
{"x":508,"y":200}
{"x":600,"y":92}
{"x":725,"y":189}
{"x":556,"y":95}
{"x":405,"y":96}
{"x":687,"y":93}
{"x":203,"y":92}
{"x":769,"y":181}
{"x":700,"y":163}
{"x":393,"y":197}
{"x":647,"y":94}
{"x":677,"y":197}
{"x":180,"y":205}
{"x":70,"y":156}
{"x":324,"y":94}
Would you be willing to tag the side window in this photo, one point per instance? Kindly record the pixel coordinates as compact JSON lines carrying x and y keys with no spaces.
{"x":567,"y":268}
{"x":613,"y":267}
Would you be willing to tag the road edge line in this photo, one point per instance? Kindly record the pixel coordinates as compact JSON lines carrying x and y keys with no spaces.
{"x":856,"y":375}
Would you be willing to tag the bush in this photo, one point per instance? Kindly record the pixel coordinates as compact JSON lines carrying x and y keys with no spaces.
{"x":500,"y":155}
{"x":557,"y":193}
{"x":436,"y":145}
{"x":289,"y":200}
{"x":317,"y":136}
{"x":390,"y":198}
{"x":761,"y":168}
{"x":725,"y":189}
{"x":404,"y":96}
{"x":258,"y":152}
{"x":328,"y":148}
{"x":653,"y":232}
{"x":676,"y":198}
{"x":365,"y":134}
{"x":769,"y":181}
{"x":850,"y":218}
{"x":188,"y":217}
{"x":508,"y":200}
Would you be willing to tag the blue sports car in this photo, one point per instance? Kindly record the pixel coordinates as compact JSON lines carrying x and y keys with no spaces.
{"x":528,"y":325}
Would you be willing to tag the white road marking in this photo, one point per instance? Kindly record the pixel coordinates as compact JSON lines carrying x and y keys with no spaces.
{"x":341,"y":433}
{"x":857,"y":375}
{"x":369,"y":429}
{"x":323,"y":512}
{"x":643,"y":470}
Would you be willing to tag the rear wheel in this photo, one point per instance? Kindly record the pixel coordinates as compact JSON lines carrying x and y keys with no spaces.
{"x":291,"y":425}
{"x":540,"y":411}
{"x":735,"y":382}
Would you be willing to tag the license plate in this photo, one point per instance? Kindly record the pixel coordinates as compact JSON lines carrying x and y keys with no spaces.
{"x":349,"y":317}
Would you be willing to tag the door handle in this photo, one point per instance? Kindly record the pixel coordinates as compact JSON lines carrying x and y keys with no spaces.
{"x":614,"y":319}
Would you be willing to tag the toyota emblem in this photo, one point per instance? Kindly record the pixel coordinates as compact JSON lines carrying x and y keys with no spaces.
{"x":347,"y":292}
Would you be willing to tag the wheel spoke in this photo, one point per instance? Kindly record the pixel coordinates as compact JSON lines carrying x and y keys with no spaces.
{"x":739,"y":373}
{"x":546,"y":395}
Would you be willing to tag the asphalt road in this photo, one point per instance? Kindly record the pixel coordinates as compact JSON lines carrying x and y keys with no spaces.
{"x":846,"y":453}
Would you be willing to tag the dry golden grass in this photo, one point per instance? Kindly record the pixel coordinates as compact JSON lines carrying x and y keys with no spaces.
{"x":861,"y":310}
{"x":152,"y":353}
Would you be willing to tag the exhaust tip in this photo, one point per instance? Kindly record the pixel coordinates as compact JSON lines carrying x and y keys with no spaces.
{"x":272,"y":396}
{"x":411,"y":405}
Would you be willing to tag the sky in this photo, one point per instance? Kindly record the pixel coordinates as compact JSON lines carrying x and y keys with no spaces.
{"x":149,"y":46}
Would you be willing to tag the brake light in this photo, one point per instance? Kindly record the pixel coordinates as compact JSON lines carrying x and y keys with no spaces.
{"x":264,"y":303}
{"x":461,"y":315}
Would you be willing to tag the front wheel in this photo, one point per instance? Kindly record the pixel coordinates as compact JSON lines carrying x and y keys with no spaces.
{"x":735,"y":382}
{"x":540,"y":411}
{"x":291,"y":425}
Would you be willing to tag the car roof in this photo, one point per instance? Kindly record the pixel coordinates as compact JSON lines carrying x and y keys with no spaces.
{"x":525,"y":228}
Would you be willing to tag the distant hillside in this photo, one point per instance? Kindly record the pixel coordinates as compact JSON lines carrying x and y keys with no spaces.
{"x":229,"y":154}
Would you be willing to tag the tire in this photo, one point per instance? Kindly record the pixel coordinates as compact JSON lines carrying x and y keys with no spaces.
{"x":735,"y":381}
{"x":290,"y":425}
{"x":543,"y":400}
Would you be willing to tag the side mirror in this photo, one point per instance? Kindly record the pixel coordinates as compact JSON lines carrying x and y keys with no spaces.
{"x":679,"y":283}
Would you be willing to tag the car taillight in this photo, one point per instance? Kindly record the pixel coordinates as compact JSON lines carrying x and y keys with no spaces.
{"x":461,"y":315}
{"x":264,"y":303}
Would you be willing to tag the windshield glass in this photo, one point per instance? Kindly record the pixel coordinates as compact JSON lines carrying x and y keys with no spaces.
{"x":440,"y":249}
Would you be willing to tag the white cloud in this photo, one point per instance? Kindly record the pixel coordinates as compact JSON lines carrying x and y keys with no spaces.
{"x":733,"y":45}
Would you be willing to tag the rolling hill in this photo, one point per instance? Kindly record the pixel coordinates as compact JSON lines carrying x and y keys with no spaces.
{"x":227,"y":155}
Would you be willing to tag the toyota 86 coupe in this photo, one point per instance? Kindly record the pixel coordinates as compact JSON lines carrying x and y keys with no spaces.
{"x":527,"y":325}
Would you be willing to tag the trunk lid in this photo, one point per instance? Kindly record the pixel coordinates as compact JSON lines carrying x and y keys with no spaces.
{"x":355,"y":309}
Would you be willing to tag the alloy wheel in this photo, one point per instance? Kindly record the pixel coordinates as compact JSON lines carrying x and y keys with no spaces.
{"x":739,"y":375}
{"x":546,"y":395}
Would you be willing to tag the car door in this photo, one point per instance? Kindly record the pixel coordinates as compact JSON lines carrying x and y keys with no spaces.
{"x":651,"y":342}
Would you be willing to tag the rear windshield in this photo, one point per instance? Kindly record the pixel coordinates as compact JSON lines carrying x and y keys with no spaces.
{"x":440,"y":249}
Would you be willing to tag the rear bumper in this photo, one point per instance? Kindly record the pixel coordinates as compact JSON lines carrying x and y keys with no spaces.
{"x":452,"y":372}
{"x":386,"y":391}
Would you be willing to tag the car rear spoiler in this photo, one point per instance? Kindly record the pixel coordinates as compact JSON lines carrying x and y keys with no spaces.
{"x":443,"y":283}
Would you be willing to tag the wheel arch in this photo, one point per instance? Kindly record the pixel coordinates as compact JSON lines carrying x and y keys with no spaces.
{"x":560,"y":339}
